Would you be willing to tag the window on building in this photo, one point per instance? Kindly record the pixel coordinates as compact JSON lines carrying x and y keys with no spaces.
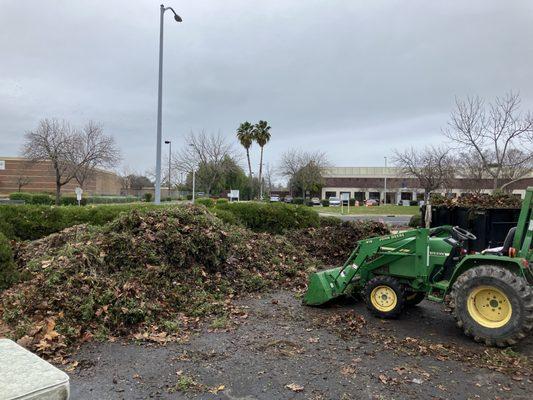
{"x":346,"y":193}
{"x":359,"y":196}
{"x":331,"y":194}
{"x":407,"y":196}
{"x":374,"y":196}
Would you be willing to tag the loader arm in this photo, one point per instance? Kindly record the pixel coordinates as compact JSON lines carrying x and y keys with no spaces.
{"x":367,"y":256}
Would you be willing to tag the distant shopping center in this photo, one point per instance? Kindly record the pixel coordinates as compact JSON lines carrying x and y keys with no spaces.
{"x":365,"y":183}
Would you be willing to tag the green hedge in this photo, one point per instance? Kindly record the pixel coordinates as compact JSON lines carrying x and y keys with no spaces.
{"x":29,"y":222}
{"x":47,"y":199}
{"x":226,"y":216}
{"x":33,"y":198}
{"x":272,"y":217}
{"x":222,"y":201}
{"x":206,"y":201}
{"x":415,"y":221}
{"x":8,"y":270}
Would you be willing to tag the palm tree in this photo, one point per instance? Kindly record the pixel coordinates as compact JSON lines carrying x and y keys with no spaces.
{"x":245,"y":134}
{"x":262,"y":136}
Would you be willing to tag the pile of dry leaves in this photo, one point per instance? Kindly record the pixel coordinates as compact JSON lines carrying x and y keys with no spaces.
{"x":478,"y":200}
{"x":333,"y":244}
{"x":147,"y":275}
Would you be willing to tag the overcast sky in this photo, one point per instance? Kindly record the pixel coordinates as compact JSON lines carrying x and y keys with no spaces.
{"x":356,"y":79}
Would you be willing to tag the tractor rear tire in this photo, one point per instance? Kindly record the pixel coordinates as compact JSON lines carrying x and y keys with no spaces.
{"x":384,"y":296}
{"x":414,"y":298}
{"x":493,"y":305}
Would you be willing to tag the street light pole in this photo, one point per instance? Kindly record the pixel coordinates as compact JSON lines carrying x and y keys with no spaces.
{"x":193,"y":184}
{"x":193,"y":178}
{"x":157,"y":197}
{"x":169,"y":161}
{"x":385,"y":199}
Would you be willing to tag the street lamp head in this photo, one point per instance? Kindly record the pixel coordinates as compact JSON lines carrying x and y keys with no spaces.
{"x":167,"y":141}
{"x":177,"y":17}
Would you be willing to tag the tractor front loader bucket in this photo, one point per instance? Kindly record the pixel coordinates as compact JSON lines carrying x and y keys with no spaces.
{"x":321,"y":287}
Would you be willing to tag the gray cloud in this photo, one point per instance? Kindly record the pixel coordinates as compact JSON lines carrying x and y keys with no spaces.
{"x":354,"y":78}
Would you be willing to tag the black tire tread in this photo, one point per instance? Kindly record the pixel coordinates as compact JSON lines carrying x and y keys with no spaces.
{"x":518,"y":284}
{"x":395,"y":285}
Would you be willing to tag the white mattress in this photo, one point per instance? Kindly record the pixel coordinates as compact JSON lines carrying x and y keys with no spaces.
{"x":23,"y":375}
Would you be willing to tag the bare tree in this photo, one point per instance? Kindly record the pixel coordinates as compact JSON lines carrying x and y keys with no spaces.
{"x":470,"y":166}
{"x":93,"y":149}
{"x":499,"y":133}
{"x":268,"y":177}
{"x":205,"y":151}
{"x":432,"y":167}
{"x":303,"y":169}
{"x":53,"y":140}
{"x":22,"y":178}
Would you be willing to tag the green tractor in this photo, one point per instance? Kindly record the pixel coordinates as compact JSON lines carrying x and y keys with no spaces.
{"x":490,"y":293}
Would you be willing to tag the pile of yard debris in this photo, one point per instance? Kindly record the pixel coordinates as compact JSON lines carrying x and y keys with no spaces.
{"x":478,"y":200}
{"x":333,"y":244}
{"x":153,"y":274}
{"x":147,"y":273}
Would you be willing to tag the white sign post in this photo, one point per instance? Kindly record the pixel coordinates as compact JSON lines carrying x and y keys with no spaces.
{"x":345,"y":197}
{"x":79,"y":192}
{"x":234,"y":195}
{"x":2,"y":164}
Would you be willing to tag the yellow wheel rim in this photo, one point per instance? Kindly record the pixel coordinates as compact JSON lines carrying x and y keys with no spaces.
{"x":489,"y":307}
{"x":383,"y":298}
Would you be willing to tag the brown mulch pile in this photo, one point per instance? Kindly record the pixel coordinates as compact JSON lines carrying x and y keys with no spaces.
{"x":147,"y":275}
{"x":332,"y":245}
{"x":479,"y":200}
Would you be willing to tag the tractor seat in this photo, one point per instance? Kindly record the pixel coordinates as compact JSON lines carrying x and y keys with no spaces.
{"x":507,"y":243}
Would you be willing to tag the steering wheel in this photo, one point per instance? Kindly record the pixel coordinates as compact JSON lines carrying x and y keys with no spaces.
{"x":463,"y":233}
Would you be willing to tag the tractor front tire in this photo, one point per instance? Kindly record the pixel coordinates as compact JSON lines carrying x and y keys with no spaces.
{"x":384,"y":296}
{"x":493,"y":305}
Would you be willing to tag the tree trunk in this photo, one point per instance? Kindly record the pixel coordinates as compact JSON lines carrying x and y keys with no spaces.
{"x":249,"y":163}
{"x":250,"y":179}
{"x":58,"y":193}
{"x":261,"y":168}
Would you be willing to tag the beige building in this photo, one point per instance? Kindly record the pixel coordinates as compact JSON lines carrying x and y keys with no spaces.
{"x":363,"y":183}
{"x":17,"y":173}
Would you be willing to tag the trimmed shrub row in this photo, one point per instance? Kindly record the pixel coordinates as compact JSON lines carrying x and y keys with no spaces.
{"x":8,"y":271}
{"x":272,"y":217}
{"x":47,"y":199}
{"x":30,"y":222}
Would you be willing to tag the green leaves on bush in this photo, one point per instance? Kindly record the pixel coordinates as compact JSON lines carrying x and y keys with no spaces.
{"x":28,"y":222}
{"x":47,"y":199}
{"x":206,"y":201}
{"x":415,"y":221}
{"x":32,"y":198}
{"x":272,"y":217}
{"x":8,"y":270}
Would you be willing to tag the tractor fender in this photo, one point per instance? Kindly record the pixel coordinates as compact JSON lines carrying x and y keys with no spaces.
{"x":512,"y":264}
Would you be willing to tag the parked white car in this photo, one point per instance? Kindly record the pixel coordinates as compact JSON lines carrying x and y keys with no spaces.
{"x":274,"y":199}
{"x":315,"y":201}
{"x":334,"y":202}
